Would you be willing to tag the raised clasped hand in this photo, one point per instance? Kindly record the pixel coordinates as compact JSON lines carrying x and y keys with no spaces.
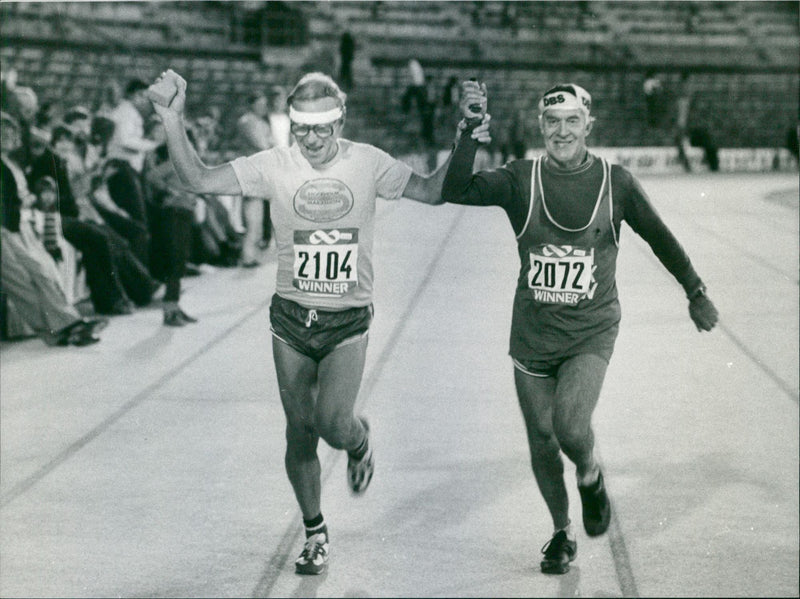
{"x":473,"y":101}
{"x":179,"y":100}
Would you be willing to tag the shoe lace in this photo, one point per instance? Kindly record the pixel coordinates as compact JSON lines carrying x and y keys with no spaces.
{"x":553,"y":546}
{"x":315,"y":545}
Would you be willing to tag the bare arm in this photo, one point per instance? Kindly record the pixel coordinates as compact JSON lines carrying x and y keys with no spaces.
{"x":191,"y":170}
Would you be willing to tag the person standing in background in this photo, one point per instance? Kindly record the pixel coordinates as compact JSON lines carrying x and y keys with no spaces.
{"x":347,"y":51}
{"x":255,"y":135}
{"x":125,"y":152}
{"x":683,"y":103}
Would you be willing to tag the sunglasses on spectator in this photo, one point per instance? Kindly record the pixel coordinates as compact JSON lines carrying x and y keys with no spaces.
{"x":325,"y":130}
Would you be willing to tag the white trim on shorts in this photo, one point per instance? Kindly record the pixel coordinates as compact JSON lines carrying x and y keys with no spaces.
{"x":347,"y":341}
{"x":524,"y":370}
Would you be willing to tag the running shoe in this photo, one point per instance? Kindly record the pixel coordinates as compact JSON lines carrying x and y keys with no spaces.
{"x":359,"y":472}
{"x":558,"y":553}
{"x":596,"y":507}
{"x":314,"y":556}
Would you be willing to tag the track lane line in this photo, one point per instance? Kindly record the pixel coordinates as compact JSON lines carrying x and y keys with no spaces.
{"x":73,"y":448}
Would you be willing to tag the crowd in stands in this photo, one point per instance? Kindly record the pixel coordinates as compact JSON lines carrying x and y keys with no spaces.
{"x":91,"y":192}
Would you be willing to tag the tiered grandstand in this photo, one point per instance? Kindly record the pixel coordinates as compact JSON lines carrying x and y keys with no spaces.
{"x":743,"y":57}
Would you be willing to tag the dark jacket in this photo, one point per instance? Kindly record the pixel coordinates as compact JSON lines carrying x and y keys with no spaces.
{"x":10,"y":202}
{"x":49,"y":164}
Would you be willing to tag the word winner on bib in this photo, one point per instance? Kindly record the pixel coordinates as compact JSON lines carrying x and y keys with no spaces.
{"x":561,"y":274}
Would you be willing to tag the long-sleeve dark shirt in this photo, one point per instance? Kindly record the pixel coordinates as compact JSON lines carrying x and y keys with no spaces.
{"x":509,"y":187}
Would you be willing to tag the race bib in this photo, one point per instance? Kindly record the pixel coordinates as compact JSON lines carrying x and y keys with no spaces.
{"x":561,"y":274}
{"x":325,"y":261}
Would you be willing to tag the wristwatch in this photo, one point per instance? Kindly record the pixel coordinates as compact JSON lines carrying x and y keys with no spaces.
{"x":699,"y":292}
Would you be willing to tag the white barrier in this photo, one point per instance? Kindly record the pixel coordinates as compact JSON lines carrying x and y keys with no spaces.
{"x":664,"y":160}
{"x":653,"y":160}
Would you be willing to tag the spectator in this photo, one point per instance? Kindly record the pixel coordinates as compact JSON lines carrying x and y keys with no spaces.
{"x":111,"y":97}
{"x":279,"y":117}
{"x":701,"y":138}
{"x":24,"y":104}
{"x":28,"y":274}
{"x":347,"y":51}
{"x":79,"y":120}
{"x":49,"y":231}
{"x":792,"y":136}
{"x":215,"y":240}
{"x":519,"y":135}
{"x":255,"y":136}
{"x":172,"y":214}
{"x":280,"y":126}
{"x":427,"y":113}
{"x":653,"y":99}
{"x":510,"y":17}
{"x":113,"y":273}
{"x":47,"y":116}
{"x":126,"y":152}
{"x":682,"y":104}
{"x":450,"y":98}
{"x":415,"y":92}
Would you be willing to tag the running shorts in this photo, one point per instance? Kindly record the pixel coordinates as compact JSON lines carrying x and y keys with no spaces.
{"x":600,"y":344}
{"x":316,"y":333}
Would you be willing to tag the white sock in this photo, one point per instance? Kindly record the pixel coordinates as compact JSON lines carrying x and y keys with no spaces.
{"x":590,"y":477}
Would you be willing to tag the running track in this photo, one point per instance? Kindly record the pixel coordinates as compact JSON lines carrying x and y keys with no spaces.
{"x":151,"y":464}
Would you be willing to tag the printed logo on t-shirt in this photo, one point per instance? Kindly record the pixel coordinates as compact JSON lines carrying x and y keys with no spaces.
{"x":326,"y":261}
{"x":323,"y":200}
{"x":561,"y":274}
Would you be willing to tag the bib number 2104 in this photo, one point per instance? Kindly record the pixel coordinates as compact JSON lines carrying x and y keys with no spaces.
{"x":326,"y":261}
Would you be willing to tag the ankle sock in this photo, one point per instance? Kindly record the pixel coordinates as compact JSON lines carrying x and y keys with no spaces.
{"x":590,"y":478}
{"x":315,"y":525}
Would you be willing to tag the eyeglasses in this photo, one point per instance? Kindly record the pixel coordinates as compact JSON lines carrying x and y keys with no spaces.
{"x":325,"y":130}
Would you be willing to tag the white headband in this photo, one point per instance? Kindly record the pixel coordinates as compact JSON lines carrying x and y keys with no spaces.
{"x":580,"y":100}
{"x":315,"y":118}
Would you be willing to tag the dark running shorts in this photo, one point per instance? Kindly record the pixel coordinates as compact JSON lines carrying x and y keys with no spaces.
{"x":316,"y":333}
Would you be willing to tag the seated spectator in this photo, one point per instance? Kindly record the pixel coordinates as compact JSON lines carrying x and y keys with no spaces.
{"x":114,"y":275}
{"x":78,"y":120}
{"x":28,"y":274}
{"x":47,"y":116}
{"x":133,"y":229}
{"x":49,"y":228}
{"x":215,"y":241}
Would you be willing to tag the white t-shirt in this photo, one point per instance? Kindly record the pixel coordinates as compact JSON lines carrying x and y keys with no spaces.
{"x":128,"y":142}
{"x":324,"y":218}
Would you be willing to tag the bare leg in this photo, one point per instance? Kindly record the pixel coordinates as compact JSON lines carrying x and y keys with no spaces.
{"x":558,"y":416}
{"x":580,"y":380}
{"x":297,"y":376}
{"x":326,"y":413}
{"x":340,"y":375}
{"x":535,"y":395}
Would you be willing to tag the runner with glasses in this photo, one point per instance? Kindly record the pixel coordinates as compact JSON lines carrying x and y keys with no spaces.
{"x":322,"y":193}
